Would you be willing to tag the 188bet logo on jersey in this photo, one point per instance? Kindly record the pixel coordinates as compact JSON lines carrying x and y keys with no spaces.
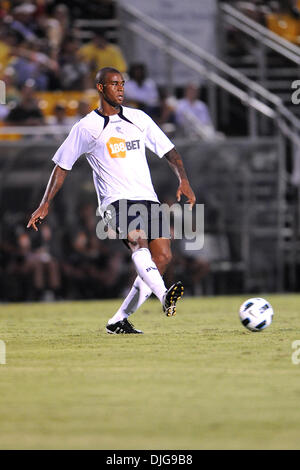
{"x":117,"y":147}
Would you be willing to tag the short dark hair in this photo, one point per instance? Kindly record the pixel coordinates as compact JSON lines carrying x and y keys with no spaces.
{"x":102,"y":73}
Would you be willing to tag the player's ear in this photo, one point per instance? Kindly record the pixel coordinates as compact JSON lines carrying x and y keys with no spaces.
{"x":99,"y":87}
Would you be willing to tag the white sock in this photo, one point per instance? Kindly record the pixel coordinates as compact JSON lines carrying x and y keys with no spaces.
{"x":138,"y":294}
{"x":148,"y":272}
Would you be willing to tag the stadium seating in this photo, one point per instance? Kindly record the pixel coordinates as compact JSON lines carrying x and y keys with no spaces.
{"x":70,"y":99}
{"x":285,"y":26}
{"x":9,"y":136}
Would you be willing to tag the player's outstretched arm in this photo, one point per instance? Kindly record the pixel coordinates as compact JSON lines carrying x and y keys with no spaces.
{"x":176,"y":163}
{"x":54,"y":184}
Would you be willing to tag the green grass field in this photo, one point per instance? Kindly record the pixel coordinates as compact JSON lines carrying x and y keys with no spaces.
{"x":195,"y":381}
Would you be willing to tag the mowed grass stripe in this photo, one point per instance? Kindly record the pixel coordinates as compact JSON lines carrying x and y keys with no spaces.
{"x":199,"y":380}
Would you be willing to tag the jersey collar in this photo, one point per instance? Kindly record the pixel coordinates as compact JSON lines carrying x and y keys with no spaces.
{"x":121,"y":114}
{"x":106,"y":118}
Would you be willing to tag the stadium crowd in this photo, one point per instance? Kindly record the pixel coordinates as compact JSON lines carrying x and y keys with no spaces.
{"x":70,"y":262}
{"x":47,"y":66}
{"x":280,"y":16}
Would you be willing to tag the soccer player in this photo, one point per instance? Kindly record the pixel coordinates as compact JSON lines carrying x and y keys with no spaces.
{"x":114,"y":139}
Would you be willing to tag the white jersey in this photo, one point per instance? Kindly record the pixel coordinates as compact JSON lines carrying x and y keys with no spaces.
{"x":115,"y":147}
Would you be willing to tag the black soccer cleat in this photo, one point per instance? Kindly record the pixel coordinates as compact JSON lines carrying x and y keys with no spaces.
{"x":171,"y":296}
{"x":122,"y":327}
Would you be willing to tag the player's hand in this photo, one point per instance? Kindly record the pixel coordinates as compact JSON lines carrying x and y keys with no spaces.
{"x":38,"y":216}
{"x":185,"y":189}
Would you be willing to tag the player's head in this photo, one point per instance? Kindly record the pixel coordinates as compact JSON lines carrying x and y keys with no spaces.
{"x":110,"y":85}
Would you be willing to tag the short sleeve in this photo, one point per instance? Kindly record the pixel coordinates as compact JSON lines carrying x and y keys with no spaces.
{"x":76,"y":144}
{"x":155,"y":139}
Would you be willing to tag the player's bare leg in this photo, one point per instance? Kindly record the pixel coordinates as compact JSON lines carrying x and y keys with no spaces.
{"x":161,"y":253}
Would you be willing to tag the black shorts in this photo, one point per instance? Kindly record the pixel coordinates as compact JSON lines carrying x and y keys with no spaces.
{"x":125,"y":216}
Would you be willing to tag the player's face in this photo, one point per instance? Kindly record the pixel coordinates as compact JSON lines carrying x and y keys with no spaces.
{"x":113,"y":89}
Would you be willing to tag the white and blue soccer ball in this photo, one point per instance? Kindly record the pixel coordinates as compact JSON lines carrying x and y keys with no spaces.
{"x":256,"y":314}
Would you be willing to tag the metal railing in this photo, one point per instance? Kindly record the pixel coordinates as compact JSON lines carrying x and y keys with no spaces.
{"x":265,"y":57}
{"x":254,"y":96}
{"x":262,"y":35}
{"x":217,"y":73}
{"x":84,"y":28}
{"x":20,"y":131}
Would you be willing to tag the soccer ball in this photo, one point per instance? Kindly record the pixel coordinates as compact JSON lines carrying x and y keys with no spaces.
{"x":256,"y":314}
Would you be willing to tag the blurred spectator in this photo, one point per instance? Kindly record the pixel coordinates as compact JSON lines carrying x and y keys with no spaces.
{"x":26,"y":112}
{"x":58,"y":26}
{"x":59,"y":117}
{"x":282,"y":17}
{"x":87,"y":221}
{"x":23,"y":21}
{"x":83,"y":109}
{"x":104,"y":258}
{"x":192,"y":270}
{"x":20,"y":270}
{"x":47,"y":275}
{"x":192,"y":115}
{"x":190,"y":266}
{"x":100,"y":53}
{"x":290,"y":7}
{"x":104,"y":9}
{"x":37,"y":39}
{"x":165,"y":113}
{"x":7,"y":44}
{"x":12,"y":93}
{"x":140,"y":90}
{"x":73,"y":71}
{"x":86,"y":268}
{"x":255,"y":10}
{"x":34,"y":273}
{"x":74,"y":264}
{"x":31,"y":63}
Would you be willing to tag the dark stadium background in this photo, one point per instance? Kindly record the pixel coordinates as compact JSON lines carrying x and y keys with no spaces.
{"x":244,"y":168}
